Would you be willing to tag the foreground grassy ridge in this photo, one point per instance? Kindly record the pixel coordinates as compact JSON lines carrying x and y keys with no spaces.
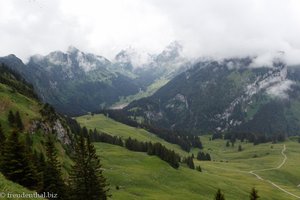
{"x":140,"y":176}
{"x":7,"y":186}
{"x":112,"y":127}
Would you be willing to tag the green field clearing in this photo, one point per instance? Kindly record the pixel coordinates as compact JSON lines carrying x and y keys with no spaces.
{"x":112,"y":127}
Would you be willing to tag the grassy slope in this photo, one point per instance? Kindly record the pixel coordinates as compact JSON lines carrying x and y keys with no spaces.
{"x":151,"y":89}
{"x":10,"y":100}
{"x":10,"y":187}
{"x":144,"y":177}
{"x":268,"y":156}
{"x":110,"y":126}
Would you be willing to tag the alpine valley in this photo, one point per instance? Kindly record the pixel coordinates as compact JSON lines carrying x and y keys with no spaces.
{"x":75,"y":82}
{"x":82,"y":126}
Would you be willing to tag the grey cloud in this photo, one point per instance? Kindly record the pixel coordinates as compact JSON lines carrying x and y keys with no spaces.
{"x":213,"y":28}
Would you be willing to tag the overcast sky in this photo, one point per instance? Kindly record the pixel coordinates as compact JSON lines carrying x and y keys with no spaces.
{"x":217,"y":28}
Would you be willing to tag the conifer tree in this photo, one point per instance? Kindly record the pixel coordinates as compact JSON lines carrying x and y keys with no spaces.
{"x":87,"y":181}
{"x":78,"y":173}
{"x":52,"y":179}
{"x":254,"y":194}
{"x":227,"y":144}
{"x":2,"y":142}
{"x":2,"y":138}
{"x":16,"y":162}
{"x":219,"y":195}
{"x":98,"y":186}
{"x":240,"y":148}
{"x":40,"y":164}
{"x":18,"y":121}
{"x":11,"y":118}
{"x":190,"y":162}
{"x":198,"y":168}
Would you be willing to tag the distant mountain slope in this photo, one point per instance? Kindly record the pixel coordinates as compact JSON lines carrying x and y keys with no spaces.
{"x":75,"y":82}
{"x":229,"y":95}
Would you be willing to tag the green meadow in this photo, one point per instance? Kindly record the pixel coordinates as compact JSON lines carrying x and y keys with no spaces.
{"x":112,"y":127}
{"x":134,"y":175}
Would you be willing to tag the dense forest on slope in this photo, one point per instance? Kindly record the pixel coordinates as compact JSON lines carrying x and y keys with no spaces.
{"x":225,"y":96}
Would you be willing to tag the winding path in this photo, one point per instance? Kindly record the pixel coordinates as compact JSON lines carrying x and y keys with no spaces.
{"x":253,"y":172}
{"x":268,"y":169}
{"x":274,"y":168}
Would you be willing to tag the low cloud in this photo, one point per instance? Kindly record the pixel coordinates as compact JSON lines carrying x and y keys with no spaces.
{"x":280,"y":89}
{"x":205,"y":28}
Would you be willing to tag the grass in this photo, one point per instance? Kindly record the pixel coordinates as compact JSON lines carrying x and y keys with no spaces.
{"x":140,"y":176}
{"x":112,"y":127}
{"x":151,"y":89}
{"x":7,"y":186}
{"x":267,"y":156}
{"x":10,"y":100}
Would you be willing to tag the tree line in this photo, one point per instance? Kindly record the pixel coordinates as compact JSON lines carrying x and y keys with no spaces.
{"x":134,"y":145}
{"x":15,"y":81}
{"x":150,"y":148}
{"x":106,"y":138}
{"x":156,"y":149}
{"x":203,"y":156}
{"x":185,"y":141}
{"x":254,"y":138}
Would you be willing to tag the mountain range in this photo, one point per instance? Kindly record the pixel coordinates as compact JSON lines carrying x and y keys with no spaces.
{"x":75,"y":82}
{"x":169,"y":91}
{"x":228,"y":95}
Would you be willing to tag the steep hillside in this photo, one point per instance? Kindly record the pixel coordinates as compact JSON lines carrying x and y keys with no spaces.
{"x":38,"y":121}
{"x":222,"y":96}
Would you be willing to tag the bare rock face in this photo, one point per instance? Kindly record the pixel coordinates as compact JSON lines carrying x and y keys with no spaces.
{"x":61,"y":132}
{"x":48,"y":128}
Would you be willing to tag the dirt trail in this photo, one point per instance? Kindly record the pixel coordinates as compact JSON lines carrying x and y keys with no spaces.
{"x":253,"y":172}
{"x":274,"y":168}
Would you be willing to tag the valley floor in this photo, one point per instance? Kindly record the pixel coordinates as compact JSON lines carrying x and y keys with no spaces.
{"x":139,"y":176}
{"x":273,"y":169}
